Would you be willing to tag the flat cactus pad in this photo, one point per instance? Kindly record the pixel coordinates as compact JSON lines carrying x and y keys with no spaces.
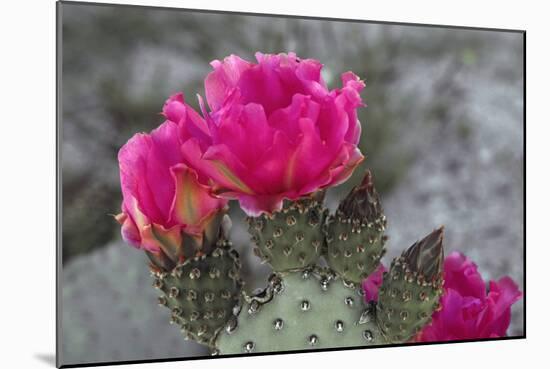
{"x":301,"y":311}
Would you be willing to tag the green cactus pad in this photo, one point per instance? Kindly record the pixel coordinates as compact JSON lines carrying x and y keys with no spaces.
{"x":410,"y":291}
{"x":291,"y":238}
{"x":301,"y":311}
{"x":355,"y":234}
{"x":201,"y":293}
{"x":354,"y":248}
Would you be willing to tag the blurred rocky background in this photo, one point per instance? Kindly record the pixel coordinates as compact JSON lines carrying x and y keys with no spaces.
{"x":443,"y":136}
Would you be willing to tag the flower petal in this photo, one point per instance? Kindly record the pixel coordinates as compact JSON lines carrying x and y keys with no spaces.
{"x":225,"y":76}
{"x":129,"y":231}
{"x":461,"y":274}
{"x":193,"y":202}
{"x":372,"y":283}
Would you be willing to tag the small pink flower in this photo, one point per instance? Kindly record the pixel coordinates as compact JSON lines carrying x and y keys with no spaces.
{"x":274,"y":131}
{"x":372,"y":283}
{"x":162,"y":196}
{"x":468,"y":310}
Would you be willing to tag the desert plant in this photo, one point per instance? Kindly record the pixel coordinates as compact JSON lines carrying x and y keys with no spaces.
{"x":275,"y":139}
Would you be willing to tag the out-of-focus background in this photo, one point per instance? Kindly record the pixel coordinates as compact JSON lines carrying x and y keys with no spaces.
{"x":443,"y":136}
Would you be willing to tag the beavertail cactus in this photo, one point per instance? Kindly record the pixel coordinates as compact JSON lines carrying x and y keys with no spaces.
{"x":275,"y":139}
{"x":302,"y":310}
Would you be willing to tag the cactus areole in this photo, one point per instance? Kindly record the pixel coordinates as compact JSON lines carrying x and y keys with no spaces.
{"x":275,"y":137}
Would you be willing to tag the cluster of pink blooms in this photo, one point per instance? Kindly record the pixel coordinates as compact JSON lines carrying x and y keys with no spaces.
{"x":469,"y":310}
{"x":272,"y":130}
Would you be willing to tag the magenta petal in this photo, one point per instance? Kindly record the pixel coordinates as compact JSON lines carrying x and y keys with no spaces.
{"x":346,"y":163}
{"x":334,"y":123}
{"x":129,"y":231}
{"x":133,"y":176}
{"x":213,"y":166}
{"x":449,"y":322}
{"x":245,"y":131}
{"x":166,"y":142}
{"x":502,"y":295}
{"x":271,"y":173}
{"x":174,"y":108}
{"x":507,"y":291}
{"x":310,"y":159}
{"x":461,"y":275}
{"x":225,"y":76}
{"x":193,"y":204}
{"x":256,"y":205}
{"x":228,"y":168}
{"x":372,"y":283}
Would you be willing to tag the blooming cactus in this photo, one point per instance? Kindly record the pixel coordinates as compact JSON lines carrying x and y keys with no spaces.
{"x":274,"y":137}
{"x":274,"y":131}
{"x":161,"y":195}
{"x":467,"y":310}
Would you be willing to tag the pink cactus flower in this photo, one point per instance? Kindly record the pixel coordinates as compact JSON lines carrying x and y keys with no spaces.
{"x":468,"y":310}
{"x":274,"y":130}
{"x":161,"y":195}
